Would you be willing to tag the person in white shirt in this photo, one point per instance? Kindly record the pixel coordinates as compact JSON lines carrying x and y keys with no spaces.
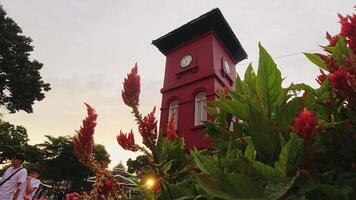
{"x":9,"y":188}
{"x":28,"y":188}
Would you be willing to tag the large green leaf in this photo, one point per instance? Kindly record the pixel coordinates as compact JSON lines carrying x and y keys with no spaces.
{"x":290,"y":156}
{"x":235,"y":107}
{"x":316,"y":60}
{"x":230,"y":186}
{"x":250,"y":76}
{"x":269,"y":82}
{"x":277,"y":186}
{"x":205,"y":163}
{"x":265,"y":140}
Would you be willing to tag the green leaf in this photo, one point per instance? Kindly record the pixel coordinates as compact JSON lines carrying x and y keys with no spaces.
{"x":239,"y":85}
{"x":269,"y":82}
{"x":250,"y":151}
{"x":324,"y":191}
{"x":236,"y":108}
{"x":316,"y":60}
{"x":263,"y":169}
{"x":341,"y":46}
{"x":205,"y":163}
{"x":264,"y":139}
{"x":167,"y":166}
{"x":287,"y":112}
{"x":250,"y":76}
{"x":230,"y":186}
{"x":302,"y":86}
{"x":290,"y":156}
{"x":277,"y":186}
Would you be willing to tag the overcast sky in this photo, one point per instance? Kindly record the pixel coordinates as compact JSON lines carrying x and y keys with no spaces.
{"x":88,"y":46}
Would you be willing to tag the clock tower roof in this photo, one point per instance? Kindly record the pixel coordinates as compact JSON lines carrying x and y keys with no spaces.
{"x":210,"y":21}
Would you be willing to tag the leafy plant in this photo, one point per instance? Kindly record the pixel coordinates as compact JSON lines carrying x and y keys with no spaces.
{"x":270,"y":142}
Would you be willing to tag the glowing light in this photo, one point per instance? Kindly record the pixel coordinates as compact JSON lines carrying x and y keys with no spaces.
{"x":150,"y":182}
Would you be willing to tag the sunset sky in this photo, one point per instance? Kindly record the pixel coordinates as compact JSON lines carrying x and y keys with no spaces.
{"x":89,"y":46}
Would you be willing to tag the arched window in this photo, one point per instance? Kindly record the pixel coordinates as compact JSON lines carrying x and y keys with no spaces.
{"x":173,"y":111}
{"x":200,"y":108}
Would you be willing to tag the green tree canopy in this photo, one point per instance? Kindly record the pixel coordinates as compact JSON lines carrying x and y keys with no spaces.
{"x":20,"y":81}
{"x":60,"y":163}
{"x":12,"y":139}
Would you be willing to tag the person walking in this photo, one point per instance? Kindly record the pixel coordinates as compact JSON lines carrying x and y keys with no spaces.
{"x":29,"y":187}
{"x":12,"y":178}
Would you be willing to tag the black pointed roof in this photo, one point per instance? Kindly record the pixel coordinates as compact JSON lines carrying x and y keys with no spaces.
{"x":212,"y":20}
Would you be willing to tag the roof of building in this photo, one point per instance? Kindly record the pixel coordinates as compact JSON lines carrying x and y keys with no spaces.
{"x":210,"y":21}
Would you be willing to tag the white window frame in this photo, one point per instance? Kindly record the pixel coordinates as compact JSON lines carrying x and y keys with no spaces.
{"x":200,"y":114}
{"x":174,"y":108}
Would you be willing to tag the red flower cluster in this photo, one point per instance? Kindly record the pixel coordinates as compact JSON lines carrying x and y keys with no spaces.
{"x":131,"y":92}
{"x":127,"y":141}
{"x":171,"y":130}
{"x":148,"y":129}
{"x":348,"y":29}
{"x":305,"y":124}
{"x":72,"y":196}
{"x":106,"y":187}
{"x":342,"y":73}
{"x":84,"y":141}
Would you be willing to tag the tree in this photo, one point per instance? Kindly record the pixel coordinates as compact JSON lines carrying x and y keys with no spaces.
{"x":12,"y":139}
{"x":138,"y":166}
{"x":60,"y":164}
{"x":20,"y":81}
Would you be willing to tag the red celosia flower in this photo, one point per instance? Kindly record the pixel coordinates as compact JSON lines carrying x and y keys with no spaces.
{"x":321,"y":78}
{"x":332,"y":39}
{"x":305,"y":124}
{"x":351,"y":80}
{"x":348,"y":30}
{"x":72,"y":196}
{"x":148,"y":129}
{"x":346,"y":27}
{"x":338,"y":79}
{"x":131,"y":92}
{"x":171,"y":130}
{"x":107,"y":187}
{"x":84,"y":141}
{"x":127,"y":141}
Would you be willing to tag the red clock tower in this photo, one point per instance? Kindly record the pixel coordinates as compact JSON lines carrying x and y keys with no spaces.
{"x":200,"y":60}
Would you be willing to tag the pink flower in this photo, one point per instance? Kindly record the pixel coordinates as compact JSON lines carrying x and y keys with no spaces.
{"x":305,"y":124}
{"x":84,"y":141}
{"x":148,"y":129}
{"x":127,"y":141}
{"x":171,"y":130}
{"x":131,"y":92}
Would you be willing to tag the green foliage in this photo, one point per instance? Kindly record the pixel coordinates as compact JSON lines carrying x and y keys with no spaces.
{"x":14,"y":139}
{"x":316,"y":60}
{"x":60,"y":164}
{"x":290,"y":156}
{"x":20,"y":81}
{"x":271,"y":142}
{"x":139,"y":165}
{"x":268,"y":83}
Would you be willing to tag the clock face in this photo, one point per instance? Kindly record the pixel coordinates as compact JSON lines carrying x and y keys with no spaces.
{"x":226,"y":67}
{"x":186,"y":60}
